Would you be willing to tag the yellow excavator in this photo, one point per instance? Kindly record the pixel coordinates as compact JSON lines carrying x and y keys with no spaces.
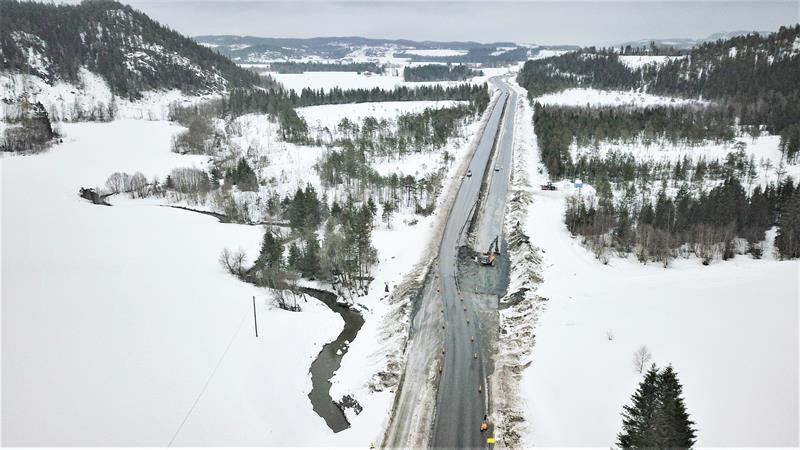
{"x":488,"y":258}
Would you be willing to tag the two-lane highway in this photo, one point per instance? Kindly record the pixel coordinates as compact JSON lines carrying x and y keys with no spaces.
{"x":461,"y":402}
{"x":445,"y":327}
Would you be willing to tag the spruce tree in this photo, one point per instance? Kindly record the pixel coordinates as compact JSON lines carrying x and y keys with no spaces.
{"x":657,"y":417}
{"x":672,"y":425}
{"x":310,"y":261}
{"x":295,"y":257}
{"x":638,"y":419}
{"x":311,"y":207}
{"x":788,"y":238}
{"x":297,"y":210}
{"x":271,"y":251}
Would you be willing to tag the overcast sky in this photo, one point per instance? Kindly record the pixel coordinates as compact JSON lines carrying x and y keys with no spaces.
{"x":541,"y":22}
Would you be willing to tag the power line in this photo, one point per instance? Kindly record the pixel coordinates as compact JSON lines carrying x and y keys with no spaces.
{"x":208,"y":381}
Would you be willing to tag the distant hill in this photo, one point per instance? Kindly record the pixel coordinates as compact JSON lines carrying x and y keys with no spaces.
{"x":132,"y":52}
{"x":688,"y":43}
{"x":251,"y":49}
{"x":755,"y":76}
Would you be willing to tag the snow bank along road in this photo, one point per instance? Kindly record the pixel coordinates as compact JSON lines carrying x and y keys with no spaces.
{"x":461,"y":401}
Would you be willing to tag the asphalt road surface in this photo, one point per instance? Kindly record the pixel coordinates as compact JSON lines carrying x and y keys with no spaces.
{"x":461,"y":400}
{"x":444,"y":329}
{"x":493,"y":211}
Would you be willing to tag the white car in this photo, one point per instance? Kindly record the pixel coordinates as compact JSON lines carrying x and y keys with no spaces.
{"x":469,"y":173}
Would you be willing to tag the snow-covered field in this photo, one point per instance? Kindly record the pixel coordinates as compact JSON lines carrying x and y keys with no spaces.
{"x":546,"y":53}
{"x":436,"y":52}
{"x":354,"y":80}
{"x":765,"y":146}
{"x":118,"y":323}
{"x":330,"y":115}
{"x":286,"y":166}
{"x":330,"y":80}
{"x":730,"y":330}
{"x":638,"y":61}
{"x":596,"y":97}
{"x":147,"y":341}
{"x":764,"y":149}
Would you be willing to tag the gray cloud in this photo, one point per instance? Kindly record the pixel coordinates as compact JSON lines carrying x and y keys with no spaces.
{"x":543,"y":22}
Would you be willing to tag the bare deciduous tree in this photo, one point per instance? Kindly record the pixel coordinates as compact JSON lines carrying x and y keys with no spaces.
{"x":641,"y":358}
{"x":115,"y":183}
{"x":126,"y":182}
{"x":138,"y":184}
{"x":233,"y":262}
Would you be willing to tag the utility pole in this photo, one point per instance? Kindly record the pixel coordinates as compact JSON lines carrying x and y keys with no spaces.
{"x":255,"y":319}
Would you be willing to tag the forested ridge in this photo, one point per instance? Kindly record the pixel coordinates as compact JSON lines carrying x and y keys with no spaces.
{"x":301,"y":67}
{"x":281,"y":105}
{"x":705,"y":224}
{"x":754,"y":76}
{"x":132,"y":52}
{"x":712,"y":208}
{"x":439,"y":72}
{"x":558,"y":127}
{"x":486,"y":55}
{"x":691,"y":213}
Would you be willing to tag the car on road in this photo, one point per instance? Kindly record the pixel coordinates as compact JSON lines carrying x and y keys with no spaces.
{"x":497,"y":168}
{"x":469,"y":173}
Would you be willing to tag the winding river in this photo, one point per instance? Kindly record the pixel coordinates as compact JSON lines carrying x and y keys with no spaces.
{"x":330,"y":359}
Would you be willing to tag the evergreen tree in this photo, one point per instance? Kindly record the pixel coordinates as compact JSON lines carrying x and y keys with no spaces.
{"x":639,"y":418}
{"x":245,"y":178}
{"x":787,"y":240}
{"x":295,"y":257}
{"x":312,"y":208}
{"x":310,"y":262}
{"x":297,"y":210}
{"x":271,"y":251}
{"x":672,"y":425}
{"x":657,"y":417}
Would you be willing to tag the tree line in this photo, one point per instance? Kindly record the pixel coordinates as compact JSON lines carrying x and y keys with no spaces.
{"x":32,"y":129}
{"x":706,"y":224}
{"x":753,"y":76}
{"x":651,"y":49}
{"x":487,"y":56}
{"x":617,"y":167}
{"x":439,"y":72}
{"x":558,"y":127}
{"x":301,"y":67}
{"x":477,"y":93}
{"x":281,"y":105}
{"x":356,"y":147}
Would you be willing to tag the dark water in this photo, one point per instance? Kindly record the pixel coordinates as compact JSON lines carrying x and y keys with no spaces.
{"x":328,"y":362}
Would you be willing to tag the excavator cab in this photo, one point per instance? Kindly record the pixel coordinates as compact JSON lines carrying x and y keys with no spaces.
{"x":487,"y":259}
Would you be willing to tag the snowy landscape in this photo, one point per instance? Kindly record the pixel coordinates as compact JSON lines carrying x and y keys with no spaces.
{"x":239,"y":241}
